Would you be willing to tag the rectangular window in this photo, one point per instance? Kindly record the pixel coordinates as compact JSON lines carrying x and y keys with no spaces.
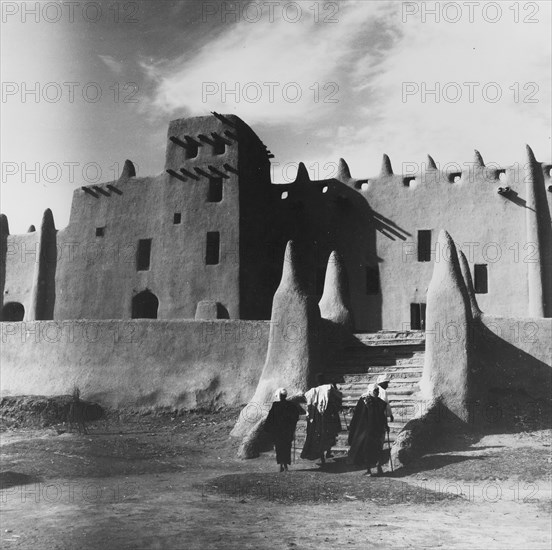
{"x":417,"y":316}
{"x":215,"y":190}
{"x":480,"y":279}
{"x":219,"y":147}
{"x":212,"y":251}
{"x":424,"y":245}
{"x":100,"y":231}
{"x":143,"y":255}
{"x":177,"y":218}
{"x":191,"y":150}
{"x":372,"y":280}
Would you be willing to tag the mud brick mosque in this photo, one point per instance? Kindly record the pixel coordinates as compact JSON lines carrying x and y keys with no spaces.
{"x":212,"y":247}
{"x":205,"y":239}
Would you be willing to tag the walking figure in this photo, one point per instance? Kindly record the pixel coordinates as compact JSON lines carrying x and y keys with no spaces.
{"x":280,"y":424}
{"x":76,"y":412}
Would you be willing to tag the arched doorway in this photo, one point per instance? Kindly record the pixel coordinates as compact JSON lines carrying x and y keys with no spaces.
{"x":145,"y":305}
{"x":13,"y":311}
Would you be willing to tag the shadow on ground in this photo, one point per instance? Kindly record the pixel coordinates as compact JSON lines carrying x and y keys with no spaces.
{"x":306,"y":486}
{"x":12,"y":479}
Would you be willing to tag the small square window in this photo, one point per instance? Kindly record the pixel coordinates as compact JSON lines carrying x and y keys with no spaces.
{"x":214,"y":193}
{"x":212,"y":251}
{"x":480,"y":279}
{"x":100,"y":231}
{"x":191,"y":150}
{"x":219,"y":147}
{"x":417,"y":316}
{"x":177,"y":218}
{"x":424,"y":245}
{"x":143,"y":255}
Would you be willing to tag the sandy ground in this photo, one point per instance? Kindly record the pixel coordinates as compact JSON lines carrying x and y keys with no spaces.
{"x":174,"y":483}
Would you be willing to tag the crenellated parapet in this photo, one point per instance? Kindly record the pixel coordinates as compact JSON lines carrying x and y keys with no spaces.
{"x":429,"y":177}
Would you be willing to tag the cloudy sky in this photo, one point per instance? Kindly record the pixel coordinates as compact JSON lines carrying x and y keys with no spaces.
{"x":86,"y":85}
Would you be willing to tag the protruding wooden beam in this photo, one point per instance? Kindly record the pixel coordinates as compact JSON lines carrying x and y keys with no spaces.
{"x":202,"y":172}
{"x":218,"y":137}
{"x":230,"y":168}
{"x":176,"y":175}
{"x":231,"y":135}
{"x":101,"y":191}
{"x":218,"y":172}
{"x":178,"y":142}
{"x":90,"y":192}
{"x":222,"y":118}
{"x":114,"y":189}
{"x":189,"y":174}
{"x":191,"y":141}
{"x":206,"y":139}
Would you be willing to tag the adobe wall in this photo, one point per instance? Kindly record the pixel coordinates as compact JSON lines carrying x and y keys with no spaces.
{"x":370,"y":223}
{"x":321,"y":216}
{"x":375,"y":222}
{"x":138,"y":364}
{"x":96,"y":277}
{"x":482,"y":370}
{"x":474,"y":359}
{"x":21,"y":259}
{"x":513,"y":355}
{"x":100,"y":278}
{"x":489,"y":228}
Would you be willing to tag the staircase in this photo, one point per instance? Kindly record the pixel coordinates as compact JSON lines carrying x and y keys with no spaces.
{"x":400,"y":355}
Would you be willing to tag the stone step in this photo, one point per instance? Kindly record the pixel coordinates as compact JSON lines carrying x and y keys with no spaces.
{"x":393,"y":396}
{"x":359,"y":369}
{"x":395,"y":388}
{"x":398,"y":355}
{"x":371,"y":351}
{"x":343,"y":364}
{"x":376,"y":337}
{"x":362,"y":379}
{"x":402,"y":374}
{"x":390,"y":334}
{"x":400,"y":401}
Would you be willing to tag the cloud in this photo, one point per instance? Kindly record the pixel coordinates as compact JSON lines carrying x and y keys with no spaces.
{"x":353,"y":76}
{"x":112,"y":63}
{"x":473,"y":85}
{"x":276,"y":72}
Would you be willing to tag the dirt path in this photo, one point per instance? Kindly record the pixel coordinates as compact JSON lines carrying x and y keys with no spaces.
{"x":172,"y":484}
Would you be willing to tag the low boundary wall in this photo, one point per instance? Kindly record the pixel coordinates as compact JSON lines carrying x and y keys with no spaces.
{"x":136,"y":364}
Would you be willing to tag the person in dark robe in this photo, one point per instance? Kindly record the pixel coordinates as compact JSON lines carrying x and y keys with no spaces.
{"x":280,"y":424}
{"x":367,"y":431}
{"x":323,"y":423}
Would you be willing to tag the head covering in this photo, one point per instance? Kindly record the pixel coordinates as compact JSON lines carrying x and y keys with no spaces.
{"x":370,"y":390}
{"x":382,"y":378}
{"x":319,"y":397}
{"x":280,"y":392}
